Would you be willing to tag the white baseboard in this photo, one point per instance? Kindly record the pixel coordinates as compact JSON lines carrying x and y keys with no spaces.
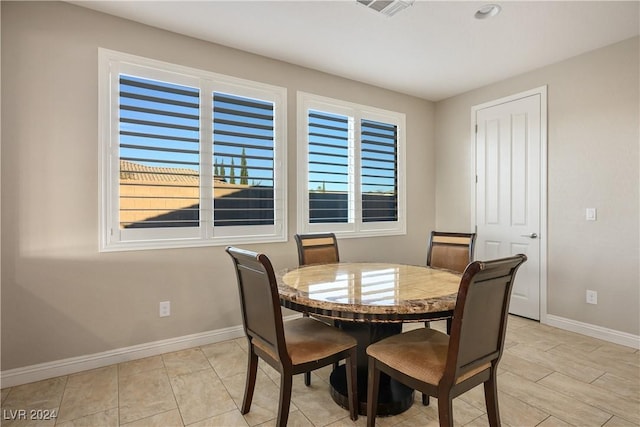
{"x":606,"y":334}
{"x":28,"y":374}
{"x":42,"y":371}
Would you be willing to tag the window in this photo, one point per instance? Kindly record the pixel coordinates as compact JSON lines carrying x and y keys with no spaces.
{"x":188,"y":157}
{"x":350,"y":161}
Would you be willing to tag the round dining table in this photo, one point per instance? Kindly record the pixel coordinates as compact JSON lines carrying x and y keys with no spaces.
{"x":370,"y":301}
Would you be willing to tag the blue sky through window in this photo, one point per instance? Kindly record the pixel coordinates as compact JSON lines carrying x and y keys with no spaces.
{"x":378,"y":157}
{"x":329,"y":139}
{"x":244,"y":128}
{"x":160,"y":127}
{"x":159,"y":123}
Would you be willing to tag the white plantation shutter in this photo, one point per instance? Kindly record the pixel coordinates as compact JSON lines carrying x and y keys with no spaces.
{"x":243,"y":147}
{"x":159,"y":154}
{"x":379,"y":171}
{"x":329,"y":139}
{"x":188,"y":158}
{"x":352,"y":161}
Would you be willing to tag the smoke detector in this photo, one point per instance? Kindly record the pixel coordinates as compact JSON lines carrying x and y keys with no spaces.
{"x":386,"y":7}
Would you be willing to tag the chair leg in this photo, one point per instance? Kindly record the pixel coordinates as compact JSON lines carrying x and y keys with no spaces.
{"x":445,"y":410}
{"x":307,"y":375}
{"x":352,"y":384}
{"x":252,"y":369}
{"x":425,"y":399}
{"x":286,"y":383}
{"x":373,"y":379}
{"x":491,"y":399}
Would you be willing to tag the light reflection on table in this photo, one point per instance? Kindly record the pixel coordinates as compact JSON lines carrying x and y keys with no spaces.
{"x":379,"y":292}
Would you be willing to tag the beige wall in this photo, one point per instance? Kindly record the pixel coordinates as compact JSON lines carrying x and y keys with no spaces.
{"x":60,"y":297}
{"x":593,"y":141}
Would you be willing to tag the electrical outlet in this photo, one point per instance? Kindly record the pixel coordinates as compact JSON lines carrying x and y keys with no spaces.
{"x":591,"y":214}
{"x":592,"y":297}
{"x":165,"y":308}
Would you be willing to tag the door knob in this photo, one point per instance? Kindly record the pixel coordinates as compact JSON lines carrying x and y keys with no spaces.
{"x":531,"y":236}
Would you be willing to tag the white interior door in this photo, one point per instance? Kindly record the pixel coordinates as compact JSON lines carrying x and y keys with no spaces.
{"x":508,"y":137}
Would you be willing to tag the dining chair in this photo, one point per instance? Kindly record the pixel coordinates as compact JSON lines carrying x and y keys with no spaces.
{"x":317,"y":248}
{"x":293,"y":347}
{"x":451,"y":251}
{"x":446,"y":366}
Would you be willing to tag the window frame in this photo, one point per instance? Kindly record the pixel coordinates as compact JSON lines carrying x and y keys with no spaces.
{"x":112,"y":238}
{"x":356,"y":113}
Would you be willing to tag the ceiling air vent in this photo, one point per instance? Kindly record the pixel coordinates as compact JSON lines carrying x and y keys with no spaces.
{"x":386,"y":7}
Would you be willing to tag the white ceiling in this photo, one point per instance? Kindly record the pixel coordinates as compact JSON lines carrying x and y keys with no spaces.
{"x":433,"y":49}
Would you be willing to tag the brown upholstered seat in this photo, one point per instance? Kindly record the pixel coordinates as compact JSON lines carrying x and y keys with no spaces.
{"x":294,"y":347}
{"x":451,"y":251}
{"x":309,"y":340}
{"x":446,"y":366}
{"x":318,"y":248}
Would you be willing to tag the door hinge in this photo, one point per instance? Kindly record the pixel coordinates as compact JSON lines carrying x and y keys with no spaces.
{"x":476,"y":128}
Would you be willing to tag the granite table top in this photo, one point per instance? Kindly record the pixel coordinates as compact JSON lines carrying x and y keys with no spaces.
{"x":370,"y":292}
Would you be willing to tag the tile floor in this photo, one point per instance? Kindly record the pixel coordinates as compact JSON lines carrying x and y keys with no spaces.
{"x":548,"y":377}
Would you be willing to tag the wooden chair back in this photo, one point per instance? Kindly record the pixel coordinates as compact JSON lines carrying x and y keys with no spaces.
{"x":259,"y":301}
{"x":451,"y":251}
{"x":319,"y":248}
{"x":480,"y":317}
